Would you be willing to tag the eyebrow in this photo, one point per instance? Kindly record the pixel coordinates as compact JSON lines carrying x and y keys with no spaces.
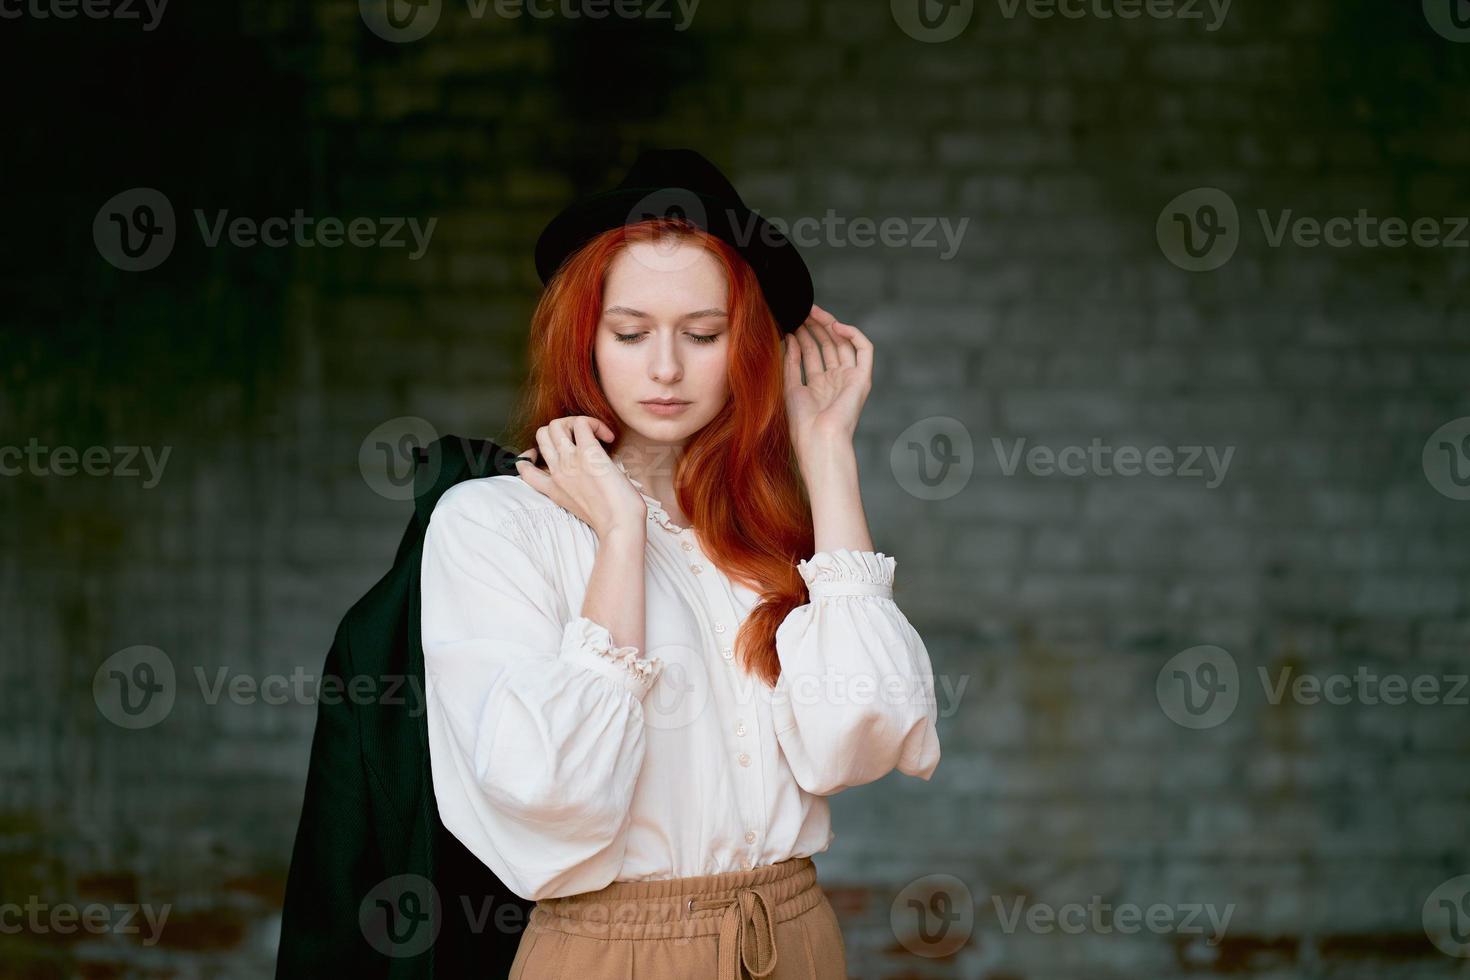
{"x":697,"y":314}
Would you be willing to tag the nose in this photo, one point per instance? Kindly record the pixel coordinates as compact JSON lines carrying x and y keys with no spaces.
{"x":664,"y":366}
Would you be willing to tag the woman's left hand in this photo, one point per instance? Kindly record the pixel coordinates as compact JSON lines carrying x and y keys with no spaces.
{"x":838,"y":361}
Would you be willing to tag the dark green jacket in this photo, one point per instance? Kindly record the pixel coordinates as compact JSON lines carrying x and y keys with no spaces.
{"x":377,"y":886}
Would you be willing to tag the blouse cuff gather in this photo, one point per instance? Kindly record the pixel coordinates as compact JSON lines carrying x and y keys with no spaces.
{"x":845,"y":572}
{"x":590,"y":645}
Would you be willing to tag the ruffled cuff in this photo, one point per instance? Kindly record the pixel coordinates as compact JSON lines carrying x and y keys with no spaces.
{"x":844,"y":572}
{"x":590,"y":645}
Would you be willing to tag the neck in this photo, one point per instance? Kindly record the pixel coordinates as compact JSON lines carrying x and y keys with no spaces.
{"x":651,"y":463}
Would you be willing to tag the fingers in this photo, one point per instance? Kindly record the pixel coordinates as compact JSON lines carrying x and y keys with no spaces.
{"x":821,"y":315}
{"x":594,"y":428}
{"x":811,"y":354}
{"x":547,"y":445}
{"x":547,"y":487}
{"x":837,"y":344}
{"x":589,"y":450}
{"x":562,"y":441}
{"x":790,"y":362}
{"x":561,"y":430}
{"x":530,"y":464}
{"x":538,"y":480}
{"x":854,"y":343}
{"x":829,"y":345}
{"x":528,"y":470}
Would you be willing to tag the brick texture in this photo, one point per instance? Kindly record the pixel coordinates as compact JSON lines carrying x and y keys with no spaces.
{"x":1051,"y":601}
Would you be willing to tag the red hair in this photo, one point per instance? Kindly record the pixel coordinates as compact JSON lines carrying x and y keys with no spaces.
{"x":737,"y":477}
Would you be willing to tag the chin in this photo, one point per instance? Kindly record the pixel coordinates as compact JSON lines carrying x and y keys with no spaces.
{"x":671,"y":430}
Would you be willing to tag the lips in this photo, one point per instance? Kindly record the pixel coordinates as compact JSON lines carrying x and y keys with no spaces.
{"x":665,"y":406}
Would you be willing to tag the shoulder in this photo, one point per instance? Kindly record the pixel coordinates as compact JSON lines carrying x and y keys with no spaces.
{"x":505,"y":504}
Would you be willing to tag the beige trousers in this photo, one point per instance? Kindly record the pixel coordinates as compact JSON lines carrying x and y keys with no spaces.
{"x":771,"y":923}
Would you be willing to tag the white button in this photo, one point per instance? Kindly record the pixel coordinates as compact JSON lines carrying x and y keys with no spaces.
{"x":696,"y":569}
{"x":744,"y":759}
{"x":687,"y":546}
{"x":719,"y":627}
{"x":750,"y":837}
{"x":727,"y":653}
{"x":740,"y":728}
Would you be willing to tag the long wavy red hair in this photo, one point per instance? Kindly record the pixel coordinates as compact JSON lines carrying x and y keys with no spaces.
{"x":737,"y":478}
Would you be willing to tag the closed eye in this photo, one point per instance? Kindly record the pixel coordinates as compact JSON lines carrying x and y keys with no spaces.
{"x":698,"y":338}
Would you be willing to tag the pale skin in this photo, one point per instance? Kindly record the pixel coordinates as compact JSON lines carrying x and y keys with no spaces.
{"x":662,"y":336}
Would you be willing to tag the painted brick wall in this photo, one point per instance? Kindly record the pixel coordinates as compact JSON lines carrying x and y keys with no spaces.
{"x":1020,"y":216}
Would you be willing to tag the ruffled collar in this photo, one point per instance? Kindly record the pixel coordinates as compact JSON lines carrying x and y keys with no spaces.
{"x":656,"y":510}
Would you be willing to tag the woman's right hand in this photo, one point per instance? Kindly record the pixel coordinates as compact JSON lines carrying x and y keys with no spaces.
{"x":582,"y":478}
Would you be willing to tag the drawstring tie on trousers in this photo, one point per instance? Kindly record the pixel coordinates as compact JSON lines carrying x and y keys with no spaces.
{"x":747,"y":905}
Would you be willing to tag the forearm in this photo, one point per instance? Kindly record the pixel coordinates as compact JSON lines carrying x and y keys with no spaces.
{"x":614,"y":595}
{"x":831,"y":475}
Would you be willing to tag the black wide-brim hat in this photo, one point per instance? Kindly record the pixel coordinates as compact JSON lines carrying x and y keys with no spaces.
{"x":683,"y":184}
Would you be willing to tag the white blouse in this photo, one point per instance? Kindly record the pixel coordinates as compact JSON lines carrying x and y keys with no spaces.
{"x":565,"y":763}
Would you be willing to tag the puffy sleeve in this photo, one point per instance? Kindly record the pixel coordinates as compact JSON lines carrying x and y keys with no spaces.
{"x":535,"y":719}
{"x":855,"y":698}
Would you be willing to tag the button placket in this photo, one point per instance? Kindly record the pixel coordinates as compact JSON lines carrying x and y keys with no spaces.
{"x":721,"y":626}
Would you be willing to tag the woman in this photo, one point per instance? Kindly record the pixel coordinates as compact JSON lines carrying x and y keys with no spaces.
{"x":650,"y":662}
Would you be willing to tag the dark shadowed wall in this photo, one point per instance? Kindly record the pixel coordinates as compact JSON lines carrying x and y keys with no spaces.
{"x":1170,"y":435}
